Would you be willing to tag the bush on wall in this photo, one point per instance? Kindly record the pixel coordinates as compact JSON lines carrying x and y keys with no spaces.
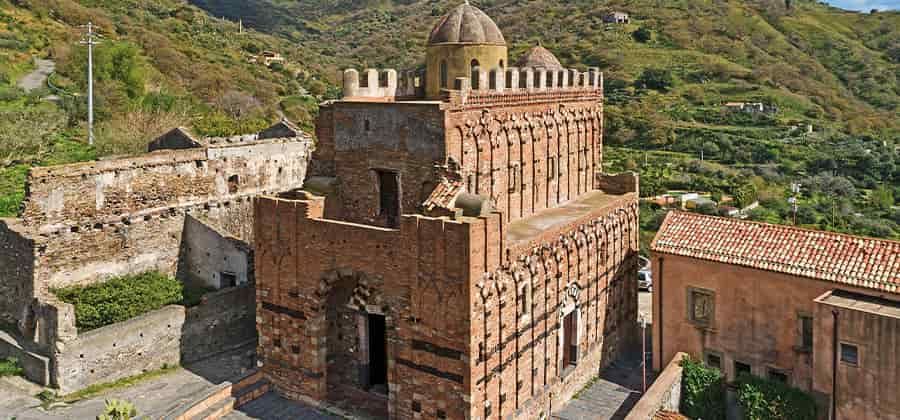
{"x":120,"y":298}
{"x":702,"y":391}
{"x":764,"y":399}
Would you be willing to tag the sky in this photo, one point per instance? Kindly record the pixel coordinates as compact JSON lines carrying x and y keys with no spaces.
{"x":866,"y":5}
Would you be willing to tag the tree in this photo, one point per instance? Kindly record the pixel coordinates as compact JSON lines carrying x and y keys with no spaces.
{"x":882,"y":198}
{"x":642,"y":35}
{"x":656,"y":79}
{"x":238,"y":104}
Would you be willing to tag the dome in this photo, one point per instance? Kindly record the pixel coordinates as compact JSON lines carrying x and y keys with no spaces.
{"x":538,"y":57}
{"x":466,"y":24}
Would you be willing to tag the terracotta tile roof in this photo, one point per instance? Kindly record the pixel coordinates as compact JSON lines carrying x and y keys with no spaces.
{"x":444,"y":194}
{"x":854,"y":260}
{"x":668,"y":415}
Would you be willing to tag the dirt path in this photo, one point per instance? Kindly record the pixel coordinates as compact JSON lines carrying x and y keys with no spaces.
{"x":36,"y":78}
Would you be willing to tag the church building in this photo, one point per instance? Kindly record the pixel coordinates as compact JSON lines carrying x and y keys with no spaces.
{"x":457,"y":251}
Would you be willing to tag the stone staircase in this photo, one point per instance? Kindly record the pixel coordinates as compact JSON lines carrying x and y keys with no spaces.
{"x":222,"y":400}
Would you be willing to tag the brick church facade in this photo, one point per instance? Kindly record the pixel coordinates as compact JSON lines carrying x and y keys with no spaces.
{"x":456,"y":251}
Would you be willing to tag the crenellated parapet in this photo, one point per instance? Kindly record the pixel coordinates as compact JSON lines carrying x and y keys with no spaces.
{"x":383,"y":84}
{"x":489,"y":84}
{"x":389,"y":84}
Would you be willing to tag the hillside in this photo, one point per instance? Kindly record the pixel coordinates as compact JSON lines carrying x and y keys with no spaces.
{"x":668,"y":74}
{"x":161,"y":64}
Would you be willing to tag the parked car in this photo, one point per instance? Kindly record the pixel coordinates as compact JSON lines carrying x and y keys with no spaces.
{"x":645,"y":280}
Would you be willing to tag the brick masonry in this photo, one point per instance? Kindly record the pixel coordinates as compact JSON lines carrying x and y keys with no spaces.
{"x":474,"y":302}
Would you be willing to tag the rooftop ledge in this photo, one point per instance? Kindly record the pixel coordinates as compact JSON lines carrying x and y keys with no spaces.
{"x":554,"y":219}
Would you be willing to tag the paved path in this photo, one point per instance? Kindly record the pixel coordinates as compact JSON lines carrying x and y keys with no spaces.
{"x":273,"y":407}
{"x":152,"y":398}
{"x":36,"y":78}
{"x":618,"y":388}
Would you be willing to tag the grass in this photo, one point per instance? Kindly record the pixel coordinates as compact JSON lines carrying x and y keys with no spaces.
{"x":10,"y":367}
{"x":98,"y":389}
{"x":49,"y":397}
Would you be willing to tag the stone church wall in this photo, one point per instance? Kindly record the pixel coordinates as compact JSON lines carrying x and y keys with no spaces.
{"x":526,"y":151}
{"x":586,"y":268}
{"x":415,"y":276}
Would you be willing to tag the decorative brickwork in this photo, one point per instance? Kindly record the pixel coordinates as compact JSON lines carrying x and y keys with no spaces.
{"x":456,"y":254}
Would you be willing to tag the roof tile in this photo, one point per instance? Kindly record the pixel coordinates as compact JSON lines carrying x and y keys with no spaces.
{"x":867,"y":262}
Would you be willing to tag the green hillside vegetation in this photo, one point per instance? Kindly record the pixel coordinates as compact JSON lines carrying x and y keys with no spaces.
{"x":161,"y":64}
{"x":668,"y":74}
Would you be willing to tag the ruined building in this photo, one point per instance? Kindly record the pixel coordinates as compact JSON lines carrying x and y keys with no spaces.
{"x":457,"y":251}
{"x":184,"y":208}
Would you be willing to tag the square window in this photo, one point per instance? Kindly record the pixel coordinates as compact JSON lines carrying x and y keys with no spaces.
{"x":741,"y":368}
{"x":850,"y":354}
{"x":296,"y":349}
{"x":417,"y":406}
{"x":778,"y":375}
{"x":441,"y":414}
{"x":276,"y":342}
{"x":701,"y":306}
{"x":714,"y":361}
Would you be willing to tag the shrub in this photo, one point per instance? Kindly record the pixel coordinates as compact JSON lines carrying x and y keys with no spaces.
{"x":656,"y":79}
{"x":702,"y":391}
{"x":118,"y":410}
{"x":10,"y":367}
{"x":642,"y":34}
{"x":764,"y":399}
{"x":120,"y":298}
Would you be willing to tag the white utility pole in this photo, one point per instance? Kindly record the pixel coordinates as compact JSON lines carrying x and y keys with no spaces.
{"x":90,"y":42}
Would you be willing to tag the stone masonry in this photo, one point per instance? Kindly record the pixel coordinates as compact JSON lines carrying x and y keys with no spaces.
{"x":458,"y":255}
{"x":184,"y":208}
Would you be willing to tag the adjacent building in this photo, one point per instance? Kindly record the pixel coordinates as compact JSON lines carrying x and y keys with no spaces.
{"x":456,"y":251}
{"x":818,"y":310}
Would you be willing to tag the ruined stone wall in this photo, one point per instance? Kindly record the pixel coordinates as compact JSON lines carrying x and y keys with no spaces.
{"x":311,"y":340}
{"x":528,"y":151}
{"x":168,"y":336}
{"x":16,"y":271}
{"x":587,"y":268}
{"x":362,"y":137}
{"x":99,"y":219}
{"x":207,"y":255}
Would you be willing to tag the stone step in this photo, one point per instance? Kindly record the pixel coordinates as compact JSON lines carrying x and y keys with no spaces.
{"x":218,"y":410}
{"x":251,"y":392}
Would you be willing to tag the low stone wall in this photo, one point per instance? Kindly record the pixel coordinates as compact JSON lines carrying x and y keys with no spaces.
{"x":168,"y":336}
{"x":120,"y":350}
{"x":664,"y":394}
{"x":226,"y":319}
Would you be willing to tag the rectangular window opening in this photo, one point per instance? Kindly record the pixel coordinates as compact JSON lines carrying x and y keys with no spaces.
{"x":570,"y":340}
{"x":714,"y":361}
{"x":806,"y":332}
{"x":227,"y":279}
{"x":389,"y":197}
{"x":850,"y":354}
{"x":778,"y":375}
{"x":741,"y":369}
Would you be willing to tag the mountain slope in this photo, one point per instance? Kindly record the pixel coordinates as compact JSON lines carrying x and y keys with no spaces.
{"x":845,"y":63}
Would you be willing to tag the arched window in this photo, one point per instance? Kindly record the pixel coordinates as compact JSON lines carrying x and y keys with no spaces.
{"x":475,"y":81}
{"x":444,"y":75}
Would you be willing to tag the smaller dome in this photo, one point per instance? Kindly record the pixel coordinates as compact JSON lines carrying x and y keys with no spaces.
{"x":539,"y":57}
{"x":466,"y":24}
